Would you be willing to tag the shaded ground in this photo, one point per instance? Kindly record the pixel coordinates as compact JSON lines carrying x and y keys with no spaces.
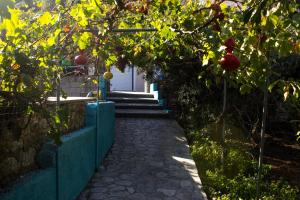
{"x":150,"y":160}
{"x":283,"y":153}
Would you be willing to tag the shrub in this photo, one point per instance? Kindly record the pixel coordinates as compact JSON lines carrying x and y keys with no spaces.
{"x":236,"y":179}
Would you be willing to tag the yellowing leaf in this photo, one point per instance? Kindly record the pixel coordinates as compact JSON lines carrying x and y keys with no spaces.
{"x":94,"y":52}
{"x":45,"y":19}
{"x":137,"y":50}
{"x":95,"y":82}
{"x":1,"y":58}
{"x":273,"y":19}
{"x":51,"y":41}
{"x":263,"y":21}
{"x":223,"y":6}
{"x":73,"y":12}
{"x":123,"y":25}
{"x":138,"y":25}
{"x":84,"y":40}
{"x":79,"y":15}
{"x":211,"y":54}
{"x":40,"y":4}
{"x":207,"y":57}
{"x":205,"y":60}
{"x":9,"y":26}
{"x":15,"y":18}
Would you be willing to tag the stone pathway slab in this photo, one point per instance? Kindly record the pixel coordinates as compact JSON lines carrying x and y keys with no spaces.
{"x":150,"y":160}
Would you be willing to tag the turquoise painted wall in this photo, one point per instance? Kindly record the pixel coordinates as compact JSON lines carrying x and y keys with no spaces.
{"x":153,"y":87}
{"x":106,"y":128}
{"x":69,"y":167}
{"x":40,"y":185}
{"x":104,"y":120}
{"x":76,"y":163}
{"x":157,"y":95}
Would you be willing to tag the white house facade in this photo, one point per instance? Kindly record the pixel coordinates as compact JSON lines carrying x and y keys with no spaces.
{"x":129,"y":80}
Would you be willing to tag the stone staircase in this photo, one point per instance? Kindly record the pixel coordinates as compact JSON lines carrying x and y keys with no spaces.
{"x":137,"y":105}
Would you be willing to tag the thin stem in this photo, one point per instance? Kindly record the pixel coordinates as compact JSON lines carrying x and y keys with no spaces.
{"x":262,"y":138}
{"x":58,"y":87}
{"x":223,"y":122}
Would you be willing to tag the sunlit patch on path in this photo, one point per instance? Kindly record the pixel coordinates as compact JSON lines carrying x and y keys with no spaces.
{"x":150,"y":160}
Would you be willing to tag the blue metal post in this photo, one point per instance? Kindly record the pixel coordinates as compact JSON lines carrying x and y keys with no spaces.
{"x":102,"y":86}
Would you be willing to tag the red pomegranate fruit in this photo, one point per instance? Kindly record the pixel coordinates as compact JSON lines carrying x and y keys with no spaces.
{"x":230,"y":43}
{"x":229,"y":49}
{"x":80,"y":59}
{"x":230,"y":62}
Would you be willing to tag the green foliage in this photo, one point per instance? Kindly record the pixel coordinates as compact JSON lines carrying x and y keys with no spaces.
{"x":36,"y":35}
{"x":243,"y":187}
{"x":237,"y":178}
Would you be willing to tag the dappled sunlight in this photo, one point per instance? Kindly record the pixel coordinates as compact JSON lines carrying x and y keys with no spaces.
{"x":184,"y":161}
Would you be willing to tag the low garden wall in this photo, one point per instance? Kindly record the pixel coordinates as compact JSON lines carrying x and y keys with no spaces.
{"x":66,"y":169}
{"x":22,"y":137}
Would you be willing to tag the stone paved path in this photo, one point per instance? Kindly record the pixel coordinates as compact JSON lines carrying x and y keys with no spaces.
{"x":150,"y":160}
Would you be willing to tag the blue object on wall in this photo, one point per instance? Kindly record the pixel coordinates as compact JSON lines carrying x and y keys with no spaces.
{"x":102,"y":86}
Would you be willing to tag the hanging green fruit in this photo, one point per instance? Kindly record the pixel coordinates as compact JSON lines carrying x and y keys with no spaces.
{"x":108,"y":75}
{"x":65,"y":62}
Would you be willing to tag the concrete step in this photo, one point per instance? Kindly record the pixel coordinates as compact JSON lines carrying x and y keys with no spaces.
{"x":138,"y":106}
{"x":133,"y":100}
{"x":141,"y":113}
{"x":130,"y":94}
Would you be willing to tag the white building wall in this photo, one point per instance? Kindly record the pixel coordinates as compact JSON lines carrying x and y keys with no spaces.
{"x":77,"y":86}
{"x":138,"y":81}
{"x":123,"y":81}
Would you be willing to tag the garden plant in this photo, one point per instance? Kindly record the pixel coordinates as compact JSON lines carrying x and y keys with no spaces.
{"x":248,"y":50}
